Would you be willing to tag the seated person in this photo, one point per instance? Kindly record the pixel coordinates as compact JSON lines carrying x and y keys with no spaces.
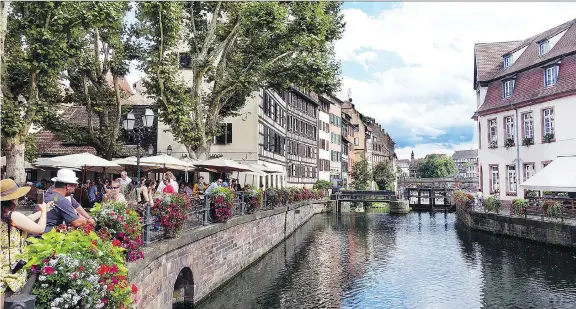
{"x":66,"y":209}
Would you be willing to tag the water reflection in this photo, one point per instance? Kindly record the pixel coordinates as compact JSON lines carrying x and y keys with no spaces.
{"x":420,"y":260}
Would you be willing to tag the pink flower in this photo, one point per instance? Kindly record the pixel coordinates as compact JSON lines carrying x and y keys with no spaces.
{"x":48,"y":270}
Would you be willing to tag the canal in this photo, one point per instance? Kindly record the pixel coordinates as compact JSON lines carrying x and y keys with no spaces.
{"x":419,"y":260}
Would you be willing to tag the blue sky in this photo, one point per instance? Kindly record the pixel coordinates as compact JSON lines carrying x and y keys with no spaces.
{"x":410,"y":65}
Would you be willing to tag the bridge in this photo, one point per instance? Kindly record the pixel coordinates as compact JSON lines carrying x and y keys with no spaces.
{"x":416,"y":198}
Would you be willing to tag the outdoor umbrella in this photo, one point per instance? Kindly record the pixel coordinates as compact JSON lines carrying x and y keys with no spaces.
{"x":556,"y":176}
{"x":224,"y":165}
{"x":131,"y":161}
{"x":86,"y":161}
{"x":168,"y":162}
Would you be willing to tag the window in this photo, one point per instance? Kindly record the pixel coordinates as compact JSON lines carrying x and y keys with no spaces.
{"x":185,"y":60}
{"x":226,"y":136}
{"x":494,"y":179}
{"x":550,"y":76}
{"x":507,"y":61}
{"x":511,"y":178}
{"x":528,"y":170}
{"x":509,"y":125}
{"x":508,"y":86}
{"x":356,"y":141}
{"x":528,"y":125}
{"x":548,"y":121}
{"x":493,"y":132}
{"x":544,"y":47}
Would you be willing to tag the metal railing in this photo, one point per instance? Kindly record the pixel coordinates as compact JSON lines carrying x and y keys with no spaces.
{"x":201,"y":214}
{"x":534,"y":208}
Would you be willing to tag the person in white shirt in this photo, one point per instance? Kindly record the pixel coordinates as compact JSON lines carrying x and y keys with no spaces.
{"x":124,"y":179}
{"x":479,"y":197}
{"x":172,"y":180}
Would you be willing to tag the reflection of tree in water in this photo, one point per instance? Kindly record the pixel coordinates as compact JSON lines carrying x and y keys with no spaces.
{"x":520,"y":274}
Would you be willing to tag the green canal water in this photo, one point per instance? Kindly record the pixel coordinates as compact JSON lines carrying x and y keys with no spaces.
{"x":419,"y":260}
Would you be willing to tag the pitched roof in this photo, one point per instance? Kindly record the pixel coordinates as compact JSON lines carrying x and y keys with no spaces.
{"x":489,"y":57}
{"x":465,"y":154}
{"x":50,"y":145}
{"x":403,"y":161}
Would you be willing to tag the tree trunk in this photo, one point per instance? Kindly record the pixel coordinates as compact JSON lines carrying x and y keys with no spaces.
{"x":15,"y":160}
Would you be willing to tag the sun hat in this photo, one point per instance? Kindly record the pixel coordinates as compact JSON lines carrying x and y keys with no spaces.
{"x":66,"y":175}
{"x":9,"y":190}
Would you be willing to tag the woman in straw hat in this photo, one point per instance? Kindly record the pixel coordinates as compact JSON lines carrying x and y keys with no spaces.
{"x":13,"y":229}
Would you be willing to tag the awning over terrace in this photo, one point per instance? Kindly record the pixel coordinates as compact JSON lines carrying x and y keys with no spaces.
{"x":560,"y":175}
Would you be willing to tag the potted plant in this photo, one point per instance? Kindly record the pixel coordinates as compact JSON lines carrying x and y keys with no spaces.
{"x":77,"y":269}
{"x":463,"y":199}
{"x":492,"y":203}
{"x":552,"y":209}
{"x":115,"y":221}
{"x":519,"y":207}
{"x":527,"y":141}
{"x":509,"y":142}
{"x":493,"y":144}
{"x":272,"y":197}
{"x":172,"y":211}
{"x":548,"y":138}
{"x":222,"y":203}
{"x":253,"y":199}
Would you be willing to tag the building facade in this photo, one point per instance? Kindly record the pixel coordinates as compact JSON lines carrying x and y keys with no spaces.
{"x":348,"y":156}
{"x":526,"y":96}
{"x":466,"y":162}
{"x":324,"y":140}
{"x":302,"y":137}
{"x":335,"y":136}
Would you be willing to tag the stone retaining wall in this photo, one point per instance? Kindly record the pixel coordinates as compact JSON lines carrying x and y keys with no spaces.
{"x":549,"y":232}
{"x":214,"y":253}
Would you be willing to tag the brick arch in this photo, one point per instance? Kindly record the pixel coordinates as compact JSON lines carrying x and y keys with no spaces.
{"x":184,"y":286}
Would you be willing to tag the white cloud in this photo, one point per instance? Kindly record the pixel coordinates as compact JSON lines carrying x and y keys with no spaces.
{"x":435,"y":41}
{"x":421,"y":150}
{"x":364,"y":58}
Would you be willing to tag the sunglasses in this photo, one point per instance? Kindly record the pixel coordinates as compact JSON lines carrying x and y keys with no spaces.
{"x":115,"y":188}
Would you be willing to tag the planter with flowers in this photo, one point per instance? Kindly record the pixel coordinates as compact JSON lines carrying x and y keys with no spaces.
{"x":172,"y":211}
{"x":284,"y":196}
{"x":492,"y":203}
{"x":552,"y":209}
{"x":463,"y":199}
{"x":520,"y":207}
{"x":273,"y":198}
{"x":222,"y":204}
{"x":253,"y":198}
{"x":307,"y":194}
{"x":115,"y":221}
{"x":78,"y":269}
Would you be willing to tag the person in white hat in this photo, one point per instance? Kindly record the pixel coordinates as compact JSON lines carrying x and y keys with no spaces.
{"x":66,"y":209}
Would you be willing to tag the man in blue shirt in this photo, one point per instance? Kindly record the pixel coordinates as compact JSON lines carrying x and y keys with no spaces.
{"x":66,"y":209}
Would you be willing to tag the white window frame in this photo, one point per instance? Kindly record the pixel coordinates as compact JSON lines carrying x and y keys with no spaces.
{"x":548,"y":120}
{"x":508,"y":61}
{"x":509,"y":124}
{"x":528,"y":120}
{"x":507,"y":88}
{"x":551,"y":76}
{"x":511,"y":179}
{"x":529,"y":171}
{"x":495,"y":173}
{"x":493,"y":130}
{"x":544,"y":47}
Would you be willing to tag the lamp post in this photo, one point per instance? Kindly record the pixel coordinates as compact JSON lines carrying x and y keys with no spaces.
{"x":137,"y":133}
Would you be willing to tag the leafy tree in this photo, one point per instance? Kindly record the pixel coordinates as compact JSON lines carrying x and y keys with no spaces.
{"x":235,"y":48}
{"x":435,"y":166}
{"x":322,"y":185}
{"x":36,"y":49}
{"x":101,"y":53}
{"x":361,"y":175}
{"x":384,"y":175}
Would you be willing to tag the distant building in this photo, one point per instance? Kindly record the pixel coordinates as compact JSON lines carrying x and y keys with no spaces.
{"x":324,"y":140}
{"x":526,"y":98}
{"x":403,"y":168}
{"x":466,"y":162}
{"x":413,"y":167}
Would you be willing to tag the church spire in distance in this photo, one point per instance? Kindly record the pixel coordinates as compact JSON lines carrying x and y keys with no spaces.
{"x":412,"y":155}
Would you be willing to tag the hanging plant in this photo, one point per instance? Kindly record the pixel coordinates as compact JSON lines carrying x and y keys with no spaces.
{"x":548,"y":137}
{"x":527,"y":141}
{"x":509,"y":142}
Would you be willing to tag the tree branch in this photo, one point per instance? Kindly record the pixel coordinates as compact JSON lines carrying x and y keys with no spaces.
{"x":211,"y":30}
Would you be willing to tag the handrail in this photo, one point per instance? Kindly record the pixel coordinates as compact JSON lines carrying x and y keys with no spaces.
{"x":23,"y":299}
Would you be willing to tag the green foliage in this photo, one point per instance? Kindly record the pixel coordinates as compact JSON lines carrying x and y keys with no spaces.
{"x":384,"y":175}
{"x":322,"y":185}
{"x":492,"y":204}
{"x":519,"y":205}
{"x":31,"y":150}
{"x":552,"y":209}
{"x":435,"y":166}
{"x":362,"y":175}
{"x":238,"y":47}
{"x":463,"y":199}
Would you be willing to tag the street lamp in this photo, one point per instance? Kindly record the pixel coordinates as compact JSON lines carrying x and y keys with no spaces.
{"x":169,"y":150}
{"x":137,"y":133}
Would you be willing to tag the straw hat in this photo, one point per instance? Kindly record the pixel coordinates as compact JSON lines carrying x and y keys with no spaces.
{"x":10,"y":191}
{"x":65,"y":175}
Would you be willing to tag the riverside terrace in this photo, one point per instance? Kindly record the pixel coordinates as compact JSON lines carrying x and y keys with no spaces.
{"x":180,"y":244}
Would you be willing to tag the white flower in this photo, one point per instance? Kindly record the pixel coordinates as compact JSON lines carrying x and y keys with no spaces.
{"x":42,"y":278}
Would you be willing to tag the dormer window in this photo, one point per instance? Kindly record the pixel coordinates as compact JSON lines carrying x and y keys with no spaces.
{"x":507,"y":88}
{"x":551,"y":76}
{"x":507,"y":61}
{"x":544,"y":47}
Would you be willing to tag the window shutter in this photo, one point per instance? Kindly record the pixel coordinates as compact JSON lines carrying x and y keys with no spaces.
{"x":229,"y":133}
